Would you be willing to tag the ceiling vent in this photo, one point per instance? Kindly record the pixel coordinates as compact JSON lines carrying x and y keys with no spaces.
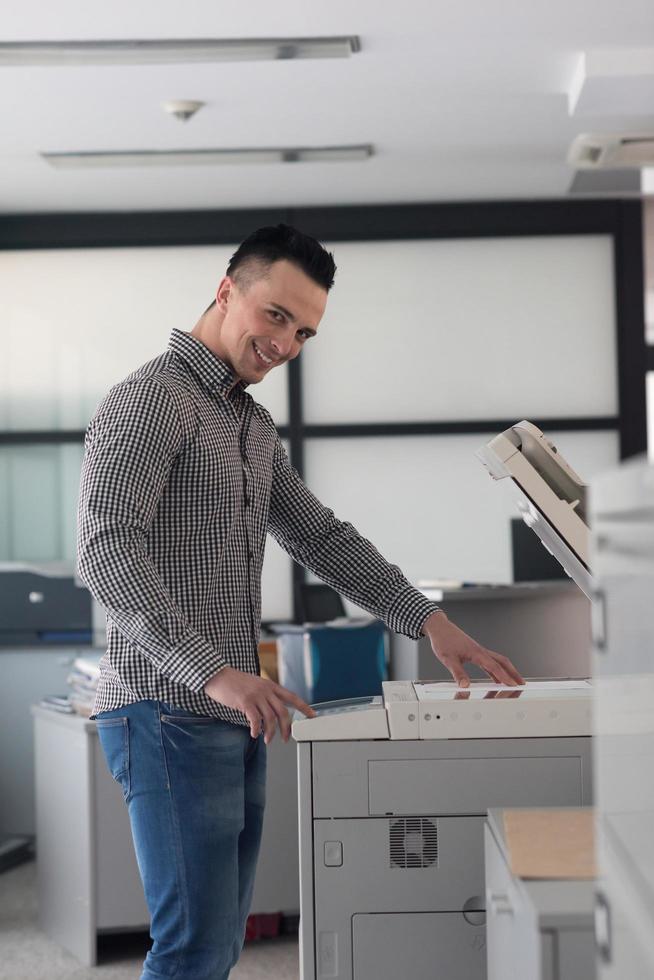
{"x":612,"y":152}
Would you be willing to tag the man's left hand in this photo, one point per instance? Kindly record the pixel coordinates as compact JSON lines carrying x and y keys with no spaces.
{"x":454,"y":648}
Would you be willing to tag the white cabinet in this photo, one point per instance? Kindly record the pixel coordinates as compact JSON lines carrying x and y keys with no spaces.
{"x":88,"y":881}
{"x":535,"y":930}
{"x":622,"y":517}
{"x":26,"y":674}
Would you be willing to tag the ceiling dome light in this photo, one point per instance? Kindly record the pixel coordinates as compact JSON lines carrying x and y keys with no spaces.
{"x":182,"y":109}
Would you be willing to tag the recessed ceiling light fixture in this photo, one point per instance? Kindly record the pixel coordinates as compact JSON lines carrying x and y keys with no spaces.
{"x":158,"y":52}
{"x":182,"y":109}
{"x":172,"y":158}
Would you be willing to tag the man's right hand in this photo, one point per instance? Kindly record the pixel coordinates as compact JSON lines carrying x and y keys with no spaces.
{"x":261,"y":700}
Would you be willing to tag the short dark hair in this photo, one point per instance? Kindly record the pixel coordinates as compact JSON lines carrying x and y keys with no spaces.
{"x":277,"y":242}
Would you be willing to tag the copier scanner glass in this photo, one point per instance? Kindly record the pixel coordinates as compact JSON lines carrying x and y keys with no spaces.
{"x":551,"y":496}
{"x":482,"y":691}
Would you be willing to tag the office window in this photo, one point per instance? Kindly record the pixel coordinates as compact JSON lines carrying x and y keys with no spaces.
{"x":276,"y":585}
{"x":276,"y":589}
{"x":434,"y":330}
{"x":39,"y":487}
{"x":428,"y":504}
{"x":38,"y":502}
{"x":648,"y":243}
{"x":466,"y":329}
{"x":75,"y":321}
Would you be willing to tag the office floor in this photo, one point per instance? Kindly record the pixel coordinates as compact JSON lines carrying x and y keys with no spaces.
{"x":26,"y":954}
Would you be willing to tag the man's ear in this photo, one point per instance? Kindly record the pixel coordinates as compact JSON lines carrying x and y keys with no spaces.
{"x":224,"y":293}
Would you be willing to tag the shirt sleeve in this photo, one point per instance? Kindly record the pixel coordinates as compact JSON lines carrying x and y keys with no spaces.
{"x":131,"y":446}
{"x":336,"y":552}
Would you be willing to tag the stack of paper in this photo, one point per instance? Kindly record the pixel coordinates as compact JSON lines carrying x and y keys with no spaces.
{"x":83,"y":681}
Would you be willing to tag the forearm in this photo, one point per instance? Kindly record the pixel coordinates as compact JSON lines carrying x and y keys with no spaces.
{"x":352,"y":565}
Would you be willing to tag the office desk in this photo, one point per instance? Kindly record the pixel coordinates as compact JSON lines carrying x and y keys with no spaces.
{"x":28,"y":673}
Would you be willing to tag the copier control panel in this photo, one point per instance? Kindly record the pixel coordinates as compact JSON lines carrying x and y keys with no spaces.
{"x":351,"y":718}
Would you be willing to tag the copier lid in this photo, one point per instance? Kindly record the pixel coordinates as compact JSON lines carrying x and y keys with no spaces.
{"x":551,"y":496}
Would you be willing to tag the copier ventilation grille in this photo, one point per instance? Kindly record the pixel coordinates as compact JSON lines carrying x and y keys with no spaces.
{"x":413,"y":842}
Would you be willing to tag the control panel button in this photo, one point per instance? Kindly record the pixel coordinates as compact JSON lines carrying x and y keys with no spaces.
{"x":333,"y":854}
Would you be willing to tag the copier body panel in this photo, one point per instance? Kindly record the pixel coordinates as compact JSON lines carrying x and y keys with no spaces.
{"x":393,"y":794}
{"x":391,"y":847}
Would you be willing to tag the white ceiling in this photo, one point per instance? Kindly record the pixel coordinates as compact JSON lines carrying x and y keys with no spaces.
{"x":462,"y":99}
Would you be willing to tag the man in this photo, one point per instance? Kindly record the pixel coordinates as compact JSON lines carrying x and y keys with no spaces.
{"x":183,"y":476}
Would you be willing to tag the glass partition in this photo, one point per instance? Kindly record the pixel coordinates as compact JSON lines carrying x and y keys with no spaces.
{"x":428,"y":504}
{"x":76,"y":321}
{"x":466,"y":329}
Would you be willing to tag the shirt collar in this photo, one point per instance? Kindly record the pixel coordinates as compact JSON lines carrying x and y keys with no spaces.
{"x":213,"y":372}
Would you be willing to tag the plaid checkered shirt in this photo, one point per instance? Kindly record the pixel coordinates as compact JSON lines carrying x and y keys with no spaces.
{"x":183,"y":476}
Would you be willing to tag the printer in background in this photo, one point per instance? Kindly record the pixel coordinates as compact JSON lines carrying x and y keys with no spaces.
{"x":46,"y":622}
{"x":43,"y":604}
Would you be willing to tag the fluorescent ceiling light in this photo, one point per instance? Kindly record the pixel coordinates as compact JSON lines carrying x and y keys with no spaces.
{"x":171,"y":158}
{"x":156,"y":52}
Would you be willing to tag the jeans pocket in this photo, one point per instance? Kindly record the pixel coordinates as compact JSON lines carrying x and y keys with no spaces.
{"x":114,"y":739}
{"x":188,"y":719}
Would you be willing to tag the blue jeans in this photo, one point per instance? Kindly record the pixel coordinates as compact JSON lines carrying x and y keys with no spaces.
{"x":195,"y":790}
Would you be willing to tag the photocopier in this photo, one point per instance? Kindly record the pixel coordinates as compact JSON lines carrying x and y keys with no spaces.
{"x":393,"y":790}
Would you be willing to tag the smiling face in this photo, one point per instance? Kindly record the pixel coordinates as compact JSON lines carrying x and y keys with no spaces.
{"x":262,"y":318}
